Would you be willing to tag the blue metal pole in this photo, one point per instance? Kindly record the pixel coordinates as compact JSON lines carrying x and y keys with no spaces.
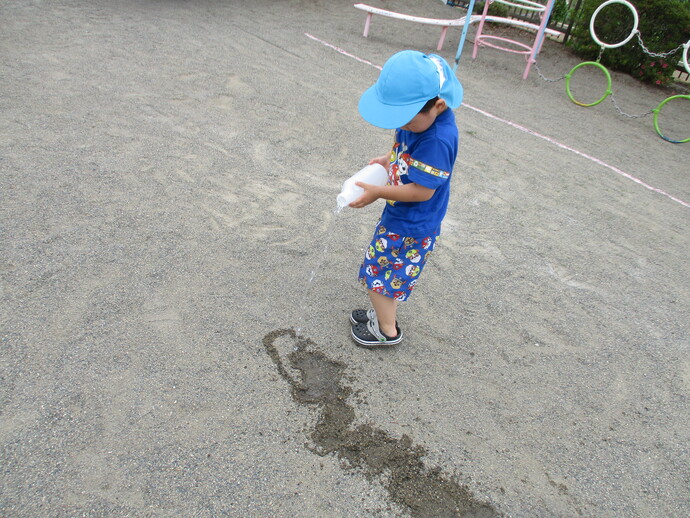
{"x":540,"y":36}
{"x":468,"y":17}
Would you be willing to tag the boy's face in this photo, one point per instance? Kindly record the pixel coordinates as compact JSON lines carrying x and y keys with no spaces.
{"x":423,"y":120}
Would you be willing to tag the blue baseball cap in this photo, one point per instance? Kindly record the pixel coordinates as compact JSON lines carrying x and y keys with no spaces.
{"x":407,"y":81}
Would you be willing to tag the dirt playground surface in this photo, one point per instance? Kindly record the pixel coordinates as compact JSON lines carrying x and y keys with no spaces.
{"x":168,"y":175}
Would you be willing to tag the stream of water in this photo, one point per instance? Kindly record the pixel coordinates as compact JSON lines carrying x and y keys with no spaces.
{"x":305,"y":305}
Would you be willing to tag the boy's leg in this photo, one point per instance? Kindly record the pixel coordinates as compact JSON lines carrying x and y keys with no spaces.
{"x":386,"y":309}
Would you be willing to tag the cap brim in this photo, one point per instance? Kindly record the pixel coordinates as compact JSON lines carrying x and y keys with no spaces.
{"x":386,"y":116}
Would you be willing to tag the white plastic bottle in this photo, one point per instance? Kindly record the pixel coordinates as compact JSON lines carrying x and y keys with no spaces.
{"x":374,"y":174}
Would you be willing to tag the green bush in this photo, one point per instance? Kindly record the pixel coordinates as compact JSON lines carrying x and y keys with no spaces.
{"x":664,"y":25}
{"x":560,"y":11}
{"x":495,"y":9}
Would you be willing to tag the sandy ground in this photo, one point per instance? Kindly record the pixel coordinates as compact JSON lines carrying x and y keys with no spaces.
{"x":169,"y":172}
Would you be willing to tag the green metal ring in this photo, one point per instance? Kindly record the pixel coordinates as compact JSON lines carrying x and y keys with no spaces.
{"x":608,"y":79}
{"x":656,"y":118}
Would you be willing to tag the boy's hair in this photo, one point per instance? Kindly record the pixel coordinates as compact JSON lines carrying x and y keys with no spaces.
{"x":429,"y":104}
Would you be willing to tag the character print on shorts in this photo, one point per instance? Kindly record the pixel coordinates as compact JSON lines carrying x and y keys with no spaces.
{"x":393,"y":263}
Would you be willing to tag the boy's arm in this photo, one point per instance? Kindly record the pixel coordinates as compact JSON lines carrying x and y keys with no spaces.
{"x":408,"y":192}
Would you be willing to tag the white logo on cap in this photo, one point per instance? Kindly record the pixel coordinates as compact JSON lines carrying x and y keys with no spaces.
{"x":439,"y":67}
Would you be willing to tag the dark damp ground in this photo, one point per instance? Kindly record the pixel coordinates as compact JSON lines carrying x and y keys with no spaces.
{"x":396,"y":463}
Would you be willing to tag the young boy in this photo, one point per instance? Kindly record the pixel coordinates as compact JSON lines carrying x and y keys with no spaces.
{"x":416,"y":94}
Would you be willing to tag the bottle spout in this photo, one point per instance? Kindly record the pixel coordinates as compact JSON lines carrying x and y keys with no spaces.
{"x":341,"y":200}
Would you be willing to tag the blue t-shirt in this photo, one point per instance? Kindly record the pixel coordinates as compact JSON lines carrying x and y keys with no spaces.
{"x":426,"y":159}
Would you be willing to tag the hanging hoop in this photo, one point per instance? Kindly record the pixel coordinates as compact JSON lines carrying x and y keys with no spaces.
{"x":608,"y":80}
{"x":656,"y":116}
{"x":685,"y":56}
{"x":632,"y":32}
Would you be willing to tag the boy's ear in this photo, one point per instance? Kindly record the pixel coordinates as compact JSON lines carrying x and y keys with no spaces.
{"x":440,"y":105}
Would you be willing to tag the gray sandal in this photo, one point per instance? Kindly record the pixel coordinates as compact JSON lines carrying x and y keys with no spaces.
{"x":370,"y":336}
{"x":362,"y":316}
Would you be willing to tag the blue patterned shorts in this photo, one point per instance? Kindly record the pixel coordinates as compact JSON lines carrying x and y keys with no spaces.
{"x":393,"y":263}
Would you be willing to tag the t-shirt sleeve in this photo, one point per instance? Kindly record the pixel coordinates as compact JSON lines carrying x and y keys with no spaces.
{"x":431,"y":163}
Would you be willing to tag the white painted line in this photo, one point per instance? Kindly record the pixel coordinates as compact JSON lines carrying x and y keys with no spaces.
{"x":527,"y":130}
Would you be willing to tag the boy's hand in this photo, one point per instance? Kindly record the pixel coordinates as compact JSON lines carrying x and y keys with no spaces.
{"x":383,"y":161}
{"x":369,"y":196}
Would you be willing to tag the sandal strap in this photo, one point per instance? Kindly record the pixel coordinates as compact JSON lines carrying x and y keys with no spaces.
{"x":373,"y":327}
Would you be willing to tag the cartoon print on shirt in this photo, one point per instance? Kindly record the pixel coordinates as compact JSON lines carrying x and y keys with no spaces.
{"x":399,"y":166}
{"x":403,"y":164}
{"x":400,"y":160}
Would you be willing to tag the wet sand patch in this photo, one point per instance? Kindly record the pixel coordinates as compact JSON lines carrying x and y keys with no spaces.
{"x":396,"y":463}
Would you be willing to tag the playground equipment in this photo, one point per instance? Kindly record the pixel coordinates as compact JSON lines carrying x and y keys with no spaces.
{"x":609,"y":92}
{"x":511,"y":45}
{"x":445,"y":24}
{"x":531,"y":51}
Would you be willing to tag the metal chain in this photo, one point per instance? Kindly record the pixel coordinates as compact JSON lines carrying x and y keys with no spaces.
{"x":621,"y":112}
{"x":654,"y":54}
{"x":546,"y":78}
{"x":613,"y":99}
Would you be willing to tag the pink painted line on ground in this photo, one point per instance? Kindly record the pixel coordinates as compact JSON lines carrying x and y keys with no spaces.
{"x":526,"y":130}
{"x":343,"y":52}
{"x":579,"y":153}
